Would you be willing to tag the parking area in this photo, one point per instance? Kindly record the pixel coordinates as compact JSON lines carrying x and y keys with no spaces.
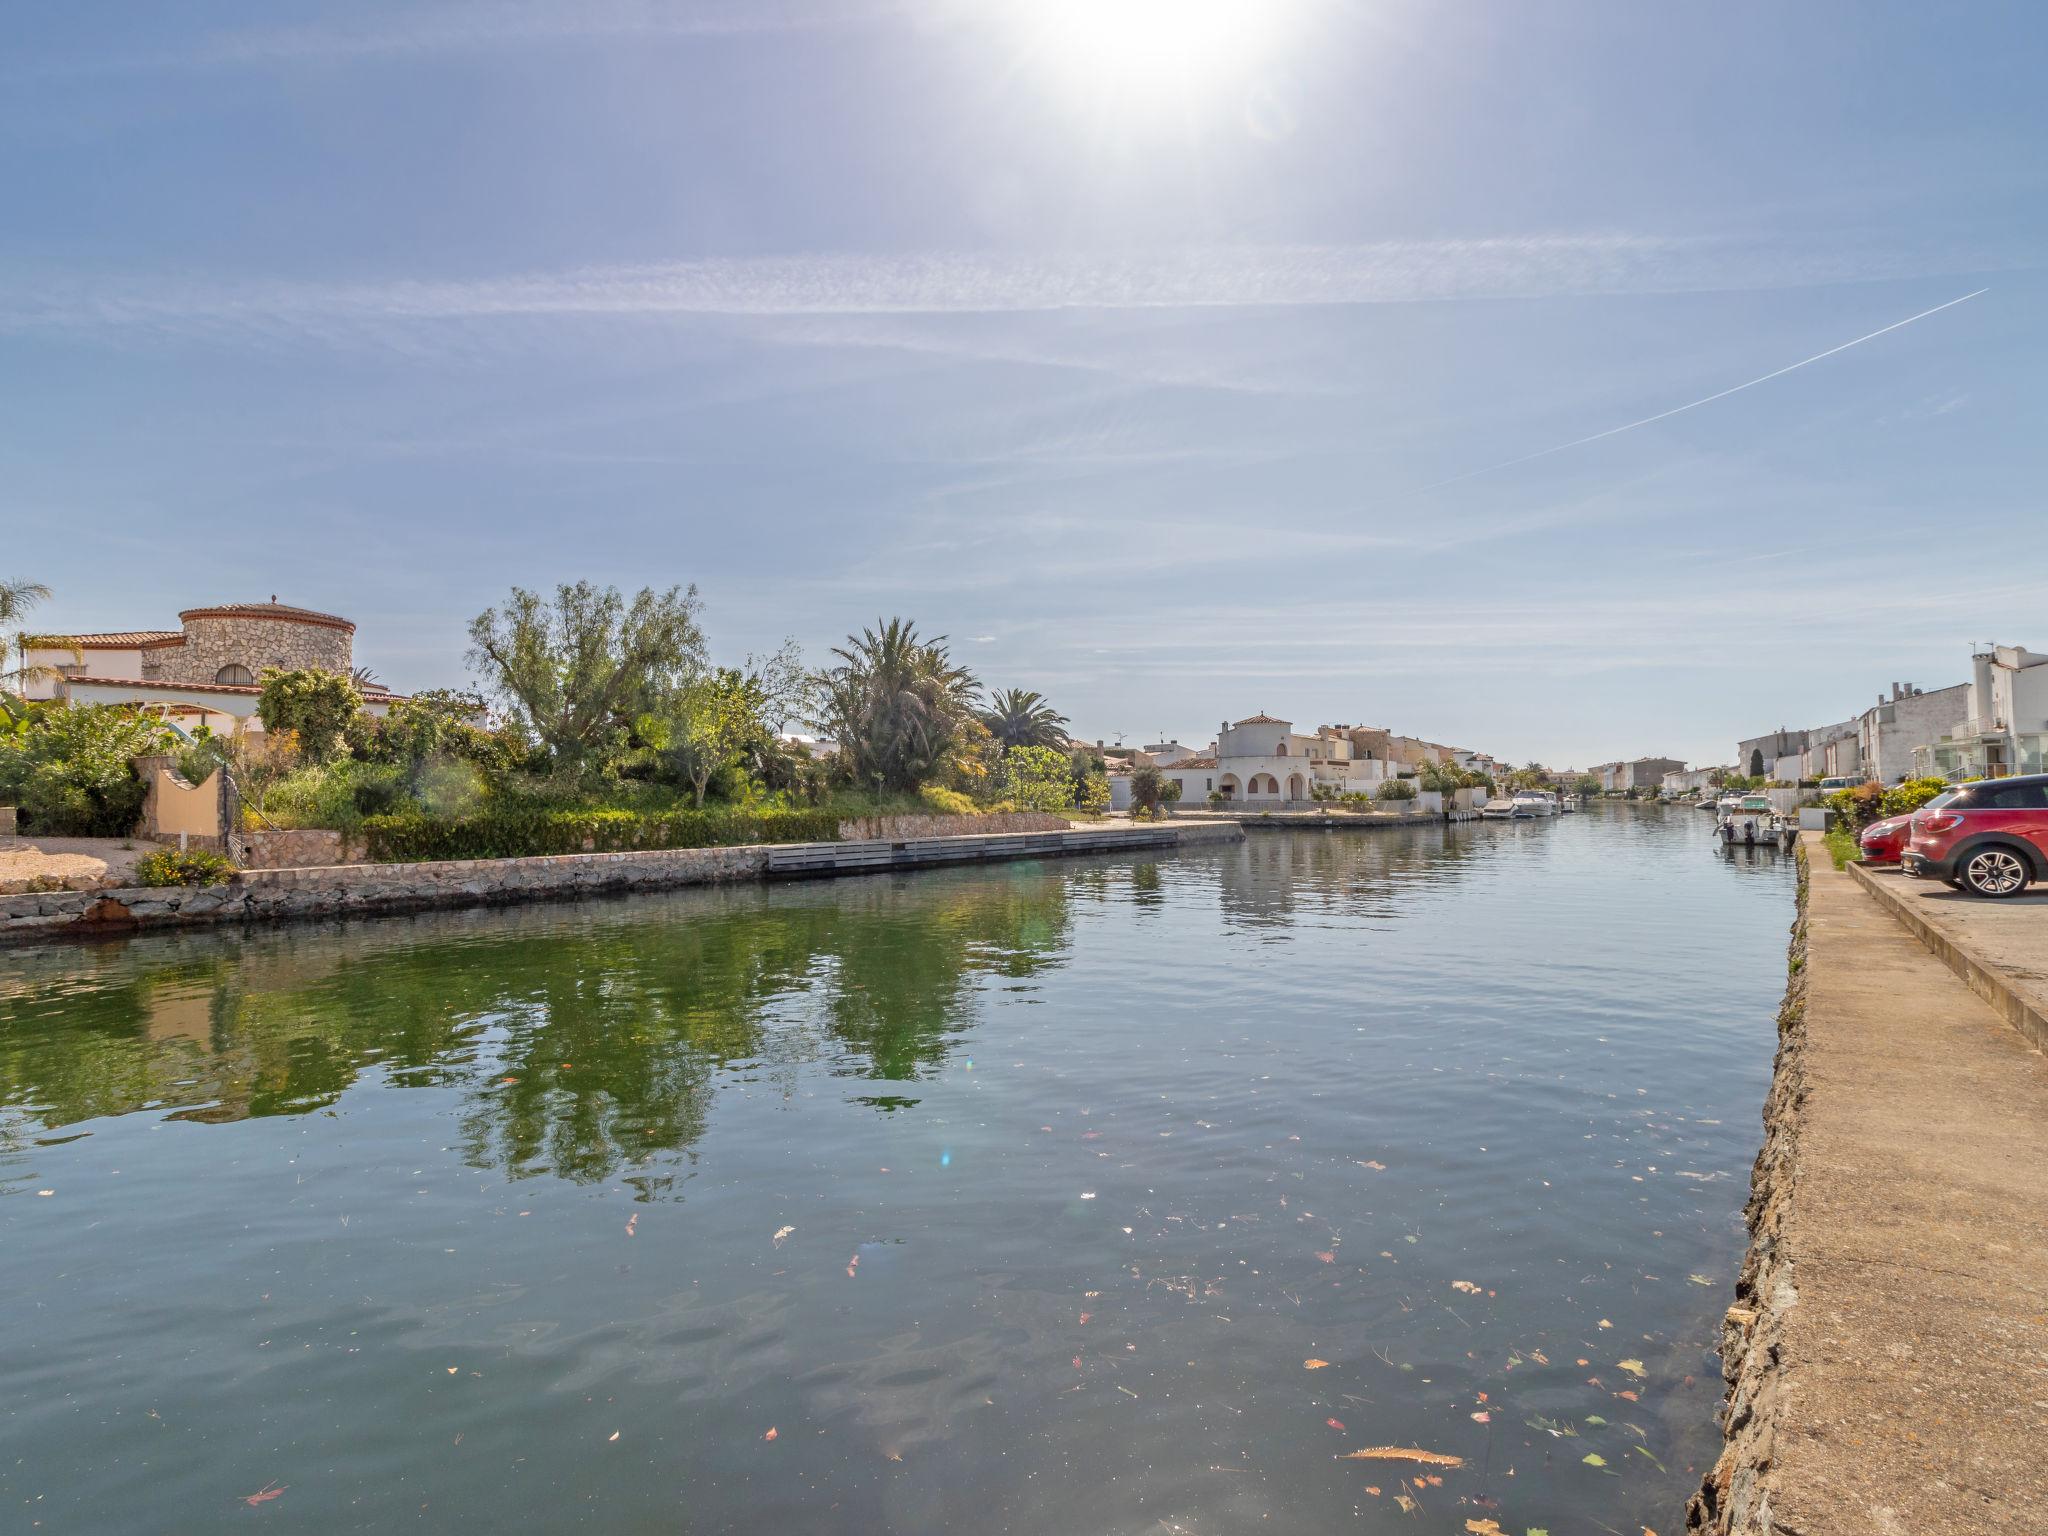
{"x":2006,"y":941}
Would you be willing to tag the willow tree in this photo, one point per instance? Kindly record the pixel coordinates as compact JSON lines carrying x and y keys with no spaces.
{"x":576,"y":672}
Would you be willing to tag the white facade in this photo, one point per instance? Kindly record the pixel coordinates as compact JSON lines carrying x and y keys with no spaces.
{"x":2006,"y":728}
{"x":1890,"y":732}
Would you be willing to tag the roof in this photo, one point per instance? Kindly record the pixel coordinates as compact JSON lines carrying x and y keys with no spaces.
{"x":1262,"y":720}
{"x":1192,"y":762}
{"x":271,"y":610}
{"x":369,"y":695}
{"x":112,"y":640}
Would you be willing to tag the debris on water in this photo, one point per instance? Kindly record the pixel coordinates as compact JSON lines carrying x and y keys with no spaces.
{"x":1403,"y":1453}
{"x":265,"y":1494}
{"x":781,"y":1236}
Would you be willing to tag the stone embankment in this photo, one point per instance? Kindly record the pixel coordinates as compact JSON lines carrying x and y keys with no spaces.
{"x":1887,"y":1353}
{"x":275,"y":895}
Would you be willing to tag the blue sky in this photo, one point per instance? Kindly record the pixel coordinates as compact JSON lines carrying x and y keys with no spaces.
{"x":1178,"y":373}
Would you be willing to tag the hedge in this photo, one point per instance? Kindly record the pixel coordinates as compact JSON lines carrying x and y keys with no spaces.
{"x":519,"y":834}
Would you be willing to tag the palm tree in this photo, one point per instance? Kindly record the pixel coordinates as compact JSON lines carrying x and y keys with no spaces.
{"x":897,"y":705}
{"x":16,"y":598}
{"x":365,"y":680}
{"x":1017,"y":717}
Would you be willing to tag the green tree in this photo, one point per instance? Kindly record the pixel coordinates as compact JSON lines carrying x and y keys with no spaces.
{"x":1586,"y":784}
{"x":1397,"y":789}
{"x":1151,"y":790}
{"x":316,"y":704}
{"x":1756,"y":762}
{"x":713,"y":720}
{"x":576,"y":672}
{"x":1017,"y":717}
{"x":1445,"y":779}
{"x":436,"y":722}
{"x":1038,"y":778}
{"x":897,"y":705}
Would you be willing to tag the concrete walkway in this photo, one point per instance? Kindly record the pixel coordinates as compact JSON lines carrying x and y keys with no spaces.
{"x":1891,"y":1349}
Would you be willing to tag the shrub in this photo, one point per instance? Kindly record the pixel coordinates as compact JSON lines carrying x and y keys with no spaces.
{"x":529,"y":831}
{"x":337,"y":795}
{"x":947,"y":802}
{"x":74,"y":770}
{"x":1903,"y":799}
{"x":1092,"y":794}
{"x":196,"y":866}
{"x":1858,"y":805}
{"x":1397,"y":789}
{"x":1037,"y":778}
{"x":317,"y":704}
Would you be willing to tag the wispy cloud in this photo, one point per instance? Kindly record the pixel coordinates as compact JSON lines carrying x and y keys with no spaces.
{"x":1242,"y":277}
{"x":370,"y":32}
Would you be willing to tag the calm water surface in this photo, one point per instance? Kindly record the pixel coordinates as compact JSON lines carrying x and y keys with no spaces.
{"x":1020,"y":1199}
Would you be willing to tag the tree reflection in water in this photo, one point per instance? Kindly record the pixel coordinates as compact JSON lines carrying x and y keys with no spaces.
{"x":582,"y":1040}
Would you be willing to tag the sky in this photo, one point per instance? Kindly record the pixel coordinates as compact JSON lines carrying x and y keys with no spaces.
{"x":1179,"y":360}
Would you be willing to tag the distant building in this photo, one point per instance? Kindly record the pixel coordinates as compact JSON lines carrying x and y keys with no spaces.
{"x":1892,"y":730}
{"x":1262,"y":760}
{"x":1638,"y":773}
{"x":207,"y":671}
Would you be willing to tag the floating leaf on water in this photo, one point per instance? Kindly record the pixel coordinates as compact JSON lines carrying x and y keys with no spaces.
{"x":1334,"y":1423}
{"x":1482,"y":1417}
{"x":1485,"y":1528}
{"x":1640,"y":1451}
{"x":1314,"y":1365}
{"x":1466,"y":1286}
{"x":1552,"y":1426}
{"x":1407,"y":1504}
{"x":772,"y":1433}
{"x":1605,"y":1324}
{"x":1633,"y":1367}
{"x":781,"y":1236}
{"x":1327,"y":1256}
{"x":1594,"y":1418}
{"x":265,"y":1494}
{"x":1403,"y":1453}
{"x":608,"y":1439}
{"x":1595,"y":1459}
{"x":1699,"y":1279}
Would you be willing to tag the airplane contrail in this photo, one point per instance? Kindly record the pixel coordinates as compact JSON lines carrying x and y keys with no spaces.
{"x":1693,"y":405}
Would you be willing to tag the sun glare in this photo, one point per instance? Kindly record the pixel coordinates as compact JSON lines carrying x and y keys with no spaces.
{"x":1140,"y":52}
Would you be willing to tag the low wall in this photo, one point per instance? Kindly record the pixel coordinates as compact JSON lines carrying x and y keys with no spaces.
{"x":860,"y":829}
{"x":298,"y":848}
{"x":278,"y":895}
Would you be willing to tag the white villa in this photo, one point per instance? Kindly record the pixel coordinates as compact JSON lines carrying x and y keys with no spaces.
{"x":203,"y":673}
{"x":1264,"y":761}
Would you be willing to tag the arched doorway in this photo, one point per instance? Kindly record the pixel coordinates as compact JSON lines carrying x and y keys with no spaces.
{"x":1228,"y":786}
{"x":1295,"y":788}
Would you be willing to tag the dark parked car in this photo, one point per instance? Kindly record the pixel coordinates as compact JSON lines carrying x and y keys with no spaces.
{"x":1989,"y":838}
{"x":1884,"y":842}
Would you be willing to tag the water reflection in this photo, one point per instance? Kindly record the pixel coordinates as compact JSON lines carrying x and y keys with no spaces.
{"x":579,"y":1042}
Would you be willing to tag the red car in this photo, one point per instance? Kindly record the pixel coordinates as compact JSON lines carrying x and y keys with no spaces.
{"x":1989,"y":838}
{"x":1884,"y":842}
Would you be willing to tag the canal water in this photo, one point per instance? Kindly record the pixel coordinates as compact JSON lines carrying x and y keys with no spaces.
{"x":1127,"y":1195}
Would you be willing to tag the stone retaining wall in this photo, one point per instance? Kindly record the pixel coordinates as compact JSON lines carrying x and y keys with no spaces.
{"x":298,"y":848}
{"x":270,"y":895}
{"x":860,"y":829}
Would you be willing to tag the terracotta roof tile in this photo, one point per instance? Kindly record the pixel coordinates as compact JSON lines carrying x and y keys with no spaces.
{"x":283,"y":611}
{"x":113,"y":639}
{"x":1262,"y":720}
{"x":370,"y":695}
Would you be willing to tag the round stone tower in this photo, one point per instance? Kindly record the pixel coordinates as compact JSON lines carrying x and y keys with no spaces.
{"x":234,"y":642}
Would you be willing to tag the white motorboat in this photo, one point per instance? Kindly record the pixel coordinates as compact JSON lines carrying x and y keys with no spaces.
{"x":1532,"y":803}
{"x":1497,"y":810}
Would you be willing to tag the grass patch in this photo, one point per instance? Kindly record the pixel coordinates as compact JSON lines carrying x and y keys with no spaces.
{"x":1842,"y":846}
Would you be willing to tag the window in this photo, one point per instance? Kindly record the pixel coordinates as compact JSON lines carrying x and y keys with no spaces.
{"x":2013,"y":797}
{"x":236,"y":673}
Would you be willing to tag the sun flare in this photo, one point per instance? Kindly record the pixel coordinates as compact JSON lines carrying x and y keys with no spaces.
{"x":1140,"y":52}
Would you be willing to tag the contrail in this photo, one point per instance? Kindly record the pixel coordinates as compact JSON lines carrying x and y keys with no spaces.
{"x":1580,"y":442}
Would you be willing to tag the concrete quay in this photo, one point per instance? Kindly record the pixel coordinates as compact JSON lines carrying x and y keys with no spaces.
{"x":1887,"y":1354}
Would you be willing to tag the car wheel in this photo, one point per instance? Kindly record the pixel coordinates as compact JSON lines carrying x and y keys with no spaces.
{"x":1994,"y":872}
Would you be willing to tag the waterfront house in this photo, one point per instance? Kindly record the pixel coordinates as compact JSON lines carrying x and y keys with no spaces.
{"x":1263,"y":761}
{"x":2006,"y":727}
{"x":205,"y":672}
